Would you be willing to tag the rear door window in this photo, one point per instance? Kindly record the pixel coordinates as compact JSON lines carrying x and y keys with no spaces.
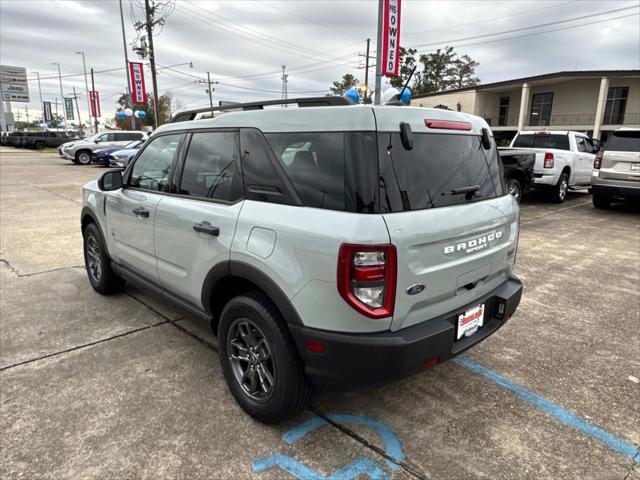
{"x":581,"y":144}
{"x":211,"y":167}
{"x":624,"y":142}
{"x":543,"y":140}
{"x":441,"y":170}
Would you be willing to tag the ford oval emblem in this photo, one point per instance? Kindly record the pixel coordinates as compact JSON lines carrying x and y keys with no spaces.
{"x":415,"y":289}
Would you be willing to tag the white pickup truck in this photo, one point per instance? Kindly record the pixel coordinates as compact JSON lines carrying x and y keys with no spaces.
{"x":564,"y":159}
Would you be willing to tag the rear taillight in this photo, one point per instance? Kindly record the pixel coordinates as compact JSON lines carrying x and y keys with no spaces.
{"x":367,"y":278}
{"x":548,"y":160}
{"x":597,"y":162}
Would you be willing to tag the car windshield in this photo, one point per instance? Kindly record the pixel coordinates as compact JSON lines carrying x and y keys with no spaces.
{"x":134,"y":144}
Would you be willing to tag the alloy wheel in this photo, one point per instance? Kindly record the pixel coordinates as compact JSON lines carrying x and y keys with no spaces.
{"x":564,"y":186}
{"x":251,"y":359}
{"x":94,"y":262}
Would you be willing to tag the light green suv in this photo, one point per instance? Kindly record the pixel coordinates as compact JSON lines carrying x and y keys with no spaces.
{"x":337,"y":246}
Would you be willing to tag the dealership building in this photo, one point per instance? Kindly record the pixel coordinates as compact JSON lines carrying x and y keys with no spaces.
{"x":593,"y":101}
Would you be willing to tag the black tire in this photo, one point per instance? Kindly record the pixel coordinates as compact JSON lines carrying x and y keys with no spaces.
{"x":514,"y":187}
{"x":40,"y":145}
{"x":558,"y":194}
{"x":83,"y":157}
{"x":102,"y":278}
{"x":602,"y":199}
{"x":289,"y":392}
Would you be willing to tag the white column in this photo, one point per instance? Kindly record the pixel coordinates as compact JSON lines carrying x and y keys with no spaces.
{"x":602,"y":98}
{"x":524,"y":106}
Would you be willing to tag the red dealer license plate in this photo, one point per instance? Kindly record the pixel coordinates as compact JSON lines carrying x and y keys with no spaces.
{"x":470,"y":321}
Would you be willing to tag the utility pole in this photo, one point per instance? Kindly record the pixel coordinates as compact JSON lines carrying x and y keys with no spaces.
{"x":95,"y":106}
{"x":64,"y":116}
{"x":126,"y":67}
{"x":210,"y":92}
{"x":86,"y":87}
{"x":26,"y":108}
{"x":284,"y":84}
{"x":75,"y":97}
{"x":366,"y":70}
{"x":149,"y":24}
{"x":378,"y":94}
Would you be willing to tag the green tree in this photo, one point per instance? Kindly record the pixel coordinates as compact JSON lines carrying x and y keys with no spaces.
{"x":437,"y":72}
{"x":341,"y":86}
{"x":407,"y":62}
{"x":464,"y":72}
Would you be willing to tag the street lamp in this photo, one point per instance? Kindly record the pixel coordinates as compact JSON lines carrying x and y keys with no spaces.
{"x":64,"y":115}
{"x":86,"y":85}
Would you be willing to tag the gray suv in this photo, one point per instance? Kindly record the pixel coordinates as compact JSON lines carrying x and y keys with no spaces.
{"x":616,"y":169}
{"x":339,"y":247}
{"x":80,"y":151}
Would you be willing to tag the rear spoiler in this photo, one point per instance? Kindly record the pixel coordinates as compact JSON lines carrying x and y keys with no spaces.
{"x":333,"y":101}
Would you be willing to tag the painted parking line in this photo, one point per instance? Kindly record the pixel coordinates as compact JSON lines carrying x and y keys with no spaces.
{"x":556,"y":411}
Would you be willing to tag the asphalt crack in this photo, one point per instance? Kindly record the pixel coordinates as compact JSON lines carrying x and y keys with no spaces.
{"x":408,"y":466}
{"x":15,"y":271}
{"x":635,"y":461}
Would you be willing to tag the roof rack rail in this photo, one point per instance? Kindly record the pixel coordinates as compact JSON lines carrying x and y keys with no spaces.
{"x":330,"y":101}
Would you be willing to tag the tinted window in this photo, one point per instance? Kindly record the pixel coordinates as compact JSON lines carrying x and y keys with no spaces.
{"x":624,"y":142}
{"x":589,"y":145}
{"x":332,"y":170}
{"x":432,"y":174}
{"x":261,"y":179}
{"x":210,"y":167}
{"x":580,"y":144}
{"x":151,"y":169}
{"x":544,"y":140}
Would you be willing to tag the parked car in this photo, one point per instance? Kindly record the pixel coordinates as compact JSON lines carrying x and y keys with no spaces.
{"x":80,"y":152}
{"x":121,"y":158}
{"x":383,"y":246}
{"x":102,"y":155}
{"x":616,"y":169}
{"x":3,"y":138}
{"x":564,"y":160}
{"x":13,"y":138}
{"x":40,"y":140}
{"x":518,"y":169}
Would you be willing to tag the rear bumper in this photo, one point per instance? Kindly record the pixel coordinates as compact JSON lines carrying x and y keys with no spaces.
{"x":545,"y":179}
{"x":359,"y":361}
{"x":620,"y":188}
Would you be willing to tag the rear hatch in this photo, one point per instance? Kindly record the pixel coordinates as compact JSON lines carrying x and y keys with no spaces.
{"x":543,"y":142}
{"x":621,"y":157}
{"x":448,"y":214}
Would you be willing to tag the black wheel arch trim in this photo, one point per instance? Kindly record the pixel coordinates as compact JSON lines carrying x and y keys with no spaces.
{"x":87,"y":212}
{"x":237,"y":269}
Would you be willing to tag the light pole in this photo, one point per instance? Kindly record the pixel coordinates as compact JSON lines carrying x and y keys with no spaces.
{"x":41,"y":103}
{"x":64,"y":115}
{"x":86,"y":85}
{"x":126,"y":65}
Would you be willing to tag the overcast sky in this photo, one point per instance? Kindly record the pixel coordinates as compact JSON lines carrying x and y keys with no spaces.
{"x":244,"y":43}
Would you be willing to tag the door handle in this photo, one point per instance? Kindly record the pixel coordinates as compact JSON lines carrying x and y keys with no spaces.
{"x":206,"y":227}
{"x":141,"y":212}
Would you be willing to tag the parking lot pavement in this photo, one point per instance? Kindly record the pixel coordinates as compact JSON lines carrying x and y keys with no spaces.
{"x":127,"y":387}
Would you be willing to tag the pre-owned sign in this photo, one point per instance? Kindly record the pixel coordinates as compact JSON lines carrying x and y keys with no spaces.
{"x":138,"y":90}
{"x":391,"y":38}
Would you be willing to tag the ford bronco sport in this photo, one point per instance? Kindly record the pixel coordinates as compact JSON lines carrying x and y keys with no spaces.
{"x":341,"y":247}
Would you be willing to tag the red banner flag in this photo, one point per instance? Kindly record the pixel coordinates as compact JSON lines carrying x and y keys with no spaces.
{"x":138,"y":90}
{"x":94,"y":100}
{"x":391,"y":38}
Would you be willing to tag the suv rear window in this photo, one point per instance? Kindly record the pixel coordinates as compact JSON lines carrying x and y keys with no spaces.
{"x":553,"y":140}
{"x":439,"y":164}
{"x":331,"y":170}
{"x":624,"y":142}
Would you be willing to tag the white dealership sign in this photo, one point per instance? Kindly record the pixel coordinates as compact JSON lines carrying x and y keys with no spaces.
{"x":13,"y":84}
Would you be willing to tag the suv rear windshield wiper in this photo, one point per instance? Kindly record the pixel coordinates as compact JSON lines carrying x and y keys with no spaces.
{"x":469,"y":189}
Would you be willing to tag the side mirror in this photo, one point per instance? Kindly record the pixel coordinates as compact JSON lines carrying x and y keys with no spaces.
{"x":111,"y":180}
{"x":406,"y":136}
{"x":486,"y":139}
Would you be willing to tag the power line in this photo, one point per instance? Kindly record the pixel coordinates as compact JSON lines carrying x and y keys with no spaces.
{"x":514,"y":30}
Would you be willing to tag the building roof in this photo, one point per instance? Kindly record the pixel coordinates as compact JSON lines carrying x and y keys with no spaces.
{"x":546,"y":76}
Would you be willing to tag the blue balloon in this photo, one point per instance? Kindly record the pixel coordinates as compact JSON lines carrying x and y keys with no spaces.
{"x":406,"y":96}
{"x":121,"y":115}
{"x":352,"y":95}
{"x":142,"y":114}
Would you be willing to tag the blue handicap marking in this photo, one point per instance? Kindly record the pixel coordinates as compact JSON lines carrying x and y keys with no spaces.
{"x":361,"y":466}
